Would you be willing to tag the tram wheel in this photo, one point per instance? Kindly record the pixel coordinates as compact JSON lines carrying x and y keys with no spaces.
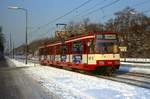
{"x":106,"y":71}
{"x":109,"y":71}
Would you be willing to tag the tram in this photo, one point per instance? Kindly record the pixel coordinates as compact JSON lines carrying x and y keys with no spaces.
{"x":97,"y":52}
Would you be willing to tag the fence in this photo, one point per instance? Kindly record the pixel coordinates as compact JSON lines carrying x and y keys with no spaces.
{"x":136,"y":60}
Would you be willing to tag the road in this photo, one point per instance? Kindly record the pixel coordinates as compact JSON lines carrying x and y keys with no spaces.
{"x":14,"y":84}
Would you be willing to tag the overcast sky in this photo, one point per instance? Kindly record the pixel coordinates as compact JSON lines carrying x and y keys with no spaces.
{"x":41,"y":12}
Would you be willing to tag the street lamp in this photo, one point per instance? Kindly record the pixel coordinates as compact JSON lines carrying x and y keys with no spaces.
{"x":26,"y":39}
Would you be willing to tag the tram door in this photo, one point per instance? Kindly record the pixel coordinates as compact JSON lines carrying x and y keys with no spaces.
{"x":63,"y":53}
{"x":88,"y":50}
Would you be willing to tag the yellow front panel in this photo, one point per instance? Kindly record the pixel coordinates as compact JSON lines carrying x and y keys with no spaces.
{"x":107,"y":56}
{"x":93,"y":57}
{"x":84,"y":59}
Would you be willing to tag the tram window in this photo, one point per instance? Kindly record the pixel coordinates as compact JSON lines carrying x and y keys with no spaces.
{"x":106,"y":47}
{"x":77,"y":47}
{"x":100,"y":47}
{"x":63,"y":49}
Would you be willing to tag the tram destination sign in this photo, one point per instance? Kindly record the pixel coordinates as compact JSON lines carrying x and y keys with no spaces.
{"x":106,"y":36}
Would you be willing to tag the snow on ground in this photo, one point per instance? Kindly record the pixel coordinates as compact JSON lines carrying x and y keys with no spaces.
{"x":71,"y":85}
{"x":21,"y":63}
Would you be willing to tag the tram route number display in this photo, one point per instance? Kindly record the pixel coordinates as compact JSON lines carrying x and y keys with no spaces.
{"x":77,"y":59}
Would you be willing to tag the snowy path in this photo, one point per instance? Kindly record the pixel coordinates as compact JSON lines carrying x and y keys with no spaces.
{"x":71,"y":85}
{"x":16,"y":84}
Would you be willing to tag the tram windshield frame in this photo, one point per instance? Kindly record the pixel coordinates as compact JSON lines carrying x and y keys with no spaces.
{"x":106,"y":43}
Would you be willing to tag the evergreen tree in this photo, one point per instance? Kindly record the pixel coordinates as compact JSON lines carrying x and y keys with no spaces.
{"x":1,"y":41}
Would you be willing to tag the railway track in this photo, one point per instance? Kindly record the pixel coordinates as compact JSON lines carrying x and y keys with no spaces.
{"x":132,"y":74}
{"x":135,"y":79}
{"x":140,"y":80}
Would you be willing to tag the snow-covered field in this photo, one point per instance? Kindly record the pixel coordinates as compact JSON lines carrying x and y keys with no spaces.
{"x":71,"y":85}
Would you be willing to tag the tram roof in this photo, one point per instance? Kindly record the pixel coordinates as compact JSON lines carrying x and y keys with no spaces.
{"x":77,"y":38}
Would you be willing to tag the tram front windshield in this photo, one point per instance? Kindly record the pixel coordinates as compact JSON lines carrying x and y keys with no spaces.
{"x":106,"y":44}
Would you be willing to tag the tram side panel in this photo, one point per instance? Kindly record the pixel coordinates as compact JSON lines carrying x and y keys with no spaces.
{"x":81,"y":61}
{"x":84,"y":60}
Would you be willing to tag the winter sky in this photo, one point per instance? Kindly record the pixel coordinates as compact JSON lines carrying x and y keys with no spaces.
{"x":41,"y":12}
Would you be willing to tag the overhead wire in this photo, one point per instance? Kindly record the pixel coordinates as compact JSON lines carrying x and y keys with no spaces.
{"x":146,"y":11}
{"x":102,"y":6}
{"x":135,"y":5}
{"x":91,"y":7}
{"x":141,"y":3}
{"x":78,"y":8}
{"x":52,"y":28}
{"x":60,"y":17}
{"x":48,"y":31}
{"x":105,"y":6}
{"x":83,"y":4}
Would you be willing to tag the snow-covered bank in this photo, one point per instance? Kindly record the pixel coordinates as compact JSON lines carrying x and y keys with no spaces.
{"x":71,"y":85}
{"x":135,"y":67}
{"x":21,"y":63}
